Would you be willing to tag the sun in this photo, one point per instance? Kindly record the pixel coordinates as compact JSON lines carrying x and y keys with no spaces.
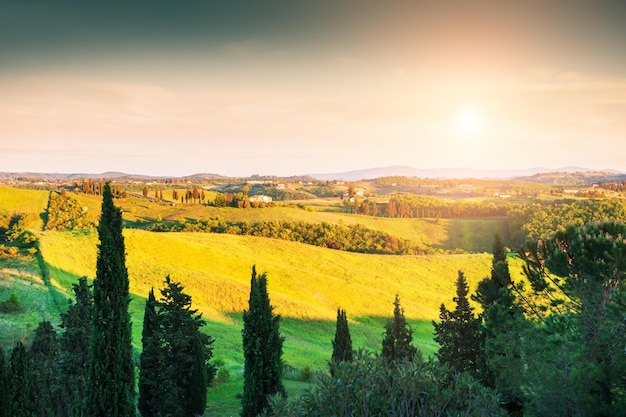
{"x":469,"y":121}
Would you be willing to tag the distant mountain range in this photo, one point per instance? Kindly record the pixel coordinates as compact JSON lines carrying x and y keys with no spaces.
{"x":371,"y":173}
{"x":443,"y":173}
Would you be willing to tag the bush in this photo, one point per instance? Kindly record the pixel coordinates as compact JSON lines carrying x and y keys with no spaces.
{"x":306,"y":373}
{"x":371,"y":385}
{"x":12,"y":305}
{"x":65,"y":213}
{"x":222,"y":377}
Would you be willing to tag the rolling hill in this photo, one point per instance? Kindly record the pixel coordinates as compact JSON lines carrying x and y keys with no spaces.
{"x":307,"y":284}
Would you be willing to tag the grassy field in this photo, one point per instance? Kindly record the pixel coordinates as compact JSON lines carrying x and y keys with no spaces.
{"x":22,"y":276}
{"x":307,"y":284}
{"x":472,"y":235}
{"x":15,"y":200}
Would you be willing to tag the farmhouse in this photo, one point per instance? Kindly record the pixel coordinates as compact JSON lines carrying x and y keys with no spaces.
{"x":260,"y":199}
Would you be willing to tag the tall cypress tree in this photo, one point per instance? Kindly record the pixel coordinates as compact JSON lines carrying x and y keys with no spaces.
{"x":342,"y":344}
{"x":150,"y":359}
{"x":459,"y":333}
{"x":5,"y":398}
{"x":44,"y":355}
{"x":111,"y":377}
{"x":262,"y":348}
{"x":398,"y":336}
{"x":20,"y":384}
{"x":73,"y":348}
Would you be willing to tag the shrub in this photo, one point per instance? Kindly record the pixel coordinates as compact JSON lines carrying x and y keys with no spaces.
{"x":12,"y":305}
{"x":222,"y":377}
{"x":370,"y":385}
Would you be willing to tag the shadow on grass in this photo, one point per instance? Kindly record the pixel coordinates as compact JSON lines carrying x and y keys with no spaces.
{"x":473,"y":235}
{"x":308,"y":342}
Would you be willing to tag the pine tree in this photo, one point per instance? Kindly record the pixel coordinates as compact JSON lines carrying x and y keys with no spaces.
{"x":491,"y":290}
{"x":44,"y":360}
{"x":20,"y":384}
{"x":582,"y":271}
{"x":459,"y":334}
{"x":503,"y":322}
{"x":5,"y":397}
{"x":73,"y":348}
{"x":398,"y":336}
{"x":175,"y":368}
{"x":74,"y":344}
{"x":342,"y":344}
{"x":111,"y":378}
{"x":262,"y":347}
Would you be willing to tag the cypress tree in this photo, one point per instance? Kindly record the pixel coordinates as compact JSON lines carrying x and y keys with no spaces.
{"x":44,"y":355}
{"x":398,"y":336}
{"x":20,"y":384}
{"x":5,"y":398}
{"x":150,"y":360}
{"x":111,"y":377}
{"x":342,"y":344}
{"x":263,"y":349}
{"x":73,"y":348}
{"x":459,"y":333}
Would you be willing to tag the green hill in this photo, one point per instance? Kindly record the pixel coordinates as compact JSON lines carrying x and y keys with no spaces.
{"x":307,"y":284}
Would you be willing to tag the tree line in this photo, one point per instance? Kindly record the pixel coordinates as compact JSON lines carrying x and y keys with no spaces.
{"x":351,"y":238}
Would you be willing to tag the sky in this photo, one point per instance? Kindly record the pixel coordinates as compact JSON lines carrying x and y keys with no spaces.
{"x":295,"y":87}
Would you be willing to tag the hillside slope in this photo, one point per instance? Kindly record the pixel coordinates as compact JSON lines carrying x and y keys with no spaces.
{"x":306,"y":284}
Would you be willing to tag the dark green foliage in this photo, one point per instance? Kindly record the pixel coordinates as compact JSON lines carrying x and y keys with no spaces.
{"x":111,"y":377}
{"x":372,"y":386}
{"x":342,"y":344}
{"x":503,"y":329}
{"x":73,"y":348}
{"x":398,"y":336}
{"x":44,"y":363}
{"x":175,"y":369}
{"x":12,"y":305}
{"x":459,"y":334}
{"x":488,"y":290}
{"x":262,"y":347}
{"x":5,"y":394}
{"x":21,"y":384}
{"x":578,"y":279}
{"x":150,"y":360}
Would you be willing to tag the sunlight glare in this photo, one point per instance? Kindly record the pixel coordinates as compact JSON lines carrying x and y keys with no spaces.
{"x":469,"y":121}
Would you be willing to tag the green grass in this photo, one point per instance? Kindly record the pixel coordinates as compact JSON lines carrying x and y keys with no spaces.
{"x":306,"y":285}
{"x":222,"y":400}
{"x":472,"y":235}
{"x":21,"y":275}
